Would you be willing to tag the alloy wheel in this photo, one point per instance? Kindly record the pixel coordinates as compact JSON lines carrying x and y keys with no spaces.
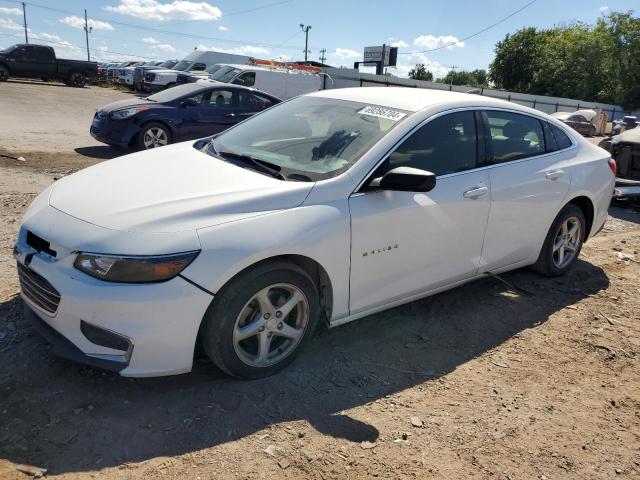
{"x":567,"y":242}
{"x":155,"y":137}
{"x":271,"y":325}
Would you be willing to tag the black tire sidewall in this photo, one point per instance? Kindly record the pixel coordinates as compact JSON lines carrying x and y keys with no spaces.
{"x":217,"y":330}
{"x":74,"y":82}
{"x":4,"y":73}
{"x":545,"y":263}
{"x":146,"y":127}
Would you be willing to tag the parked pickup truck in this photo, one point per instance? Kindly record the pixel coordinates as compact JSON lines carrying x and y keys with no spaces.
{"x":39,"y":61}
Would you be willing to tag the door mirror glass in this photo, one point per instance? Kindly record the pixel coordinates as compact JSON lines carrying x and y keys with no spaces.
{"x":405,"y":179}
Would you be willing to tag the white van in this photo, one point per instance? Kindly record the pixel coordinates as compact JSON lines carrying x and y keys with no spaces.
{"x":196,"y":61}
{"x":283,"y":83}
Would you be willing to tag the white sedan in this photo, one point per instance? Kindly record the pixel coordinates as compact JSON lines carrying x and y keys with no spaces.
{"x":326,"y":208}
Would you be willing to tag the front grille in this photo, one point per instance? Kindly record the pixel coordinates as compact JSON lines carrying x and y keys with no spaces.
{"x":38,"y":290}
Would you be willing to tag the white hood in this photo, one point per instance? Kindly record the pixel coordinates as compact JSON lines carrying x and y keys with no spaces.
{"x":170,"y":189}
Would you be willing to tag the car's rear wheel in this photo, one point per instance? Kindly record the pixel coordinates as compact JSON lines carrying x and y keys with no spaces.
{"x":4,"y":73}
{"x":563,"y":243}
{"x":77,"y":79}
{"x":261,"y":321}
{"x":154,"y":135}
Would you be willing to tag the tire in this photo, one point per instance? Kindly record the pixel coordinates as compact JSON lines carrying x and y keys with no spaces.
{"x":555,"y":261}
{"x":77,"y":79}
{"x":4,"y":73}
{"x":236,"y":306}
{"x":158,"y":131}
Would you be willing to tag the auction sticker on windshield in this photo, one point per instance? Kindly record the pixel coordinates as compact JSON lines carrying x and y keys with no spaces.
{"x":382,"y":113}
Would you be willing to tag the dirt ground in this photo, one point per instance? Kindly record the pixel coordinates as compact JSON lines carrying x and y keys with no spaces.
{"x":530,"y":379}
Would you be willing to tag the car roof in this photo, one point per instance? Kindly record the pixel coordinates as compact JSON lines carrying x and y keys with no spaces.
{"x":198,"y":87}
{"x":415,"y":99}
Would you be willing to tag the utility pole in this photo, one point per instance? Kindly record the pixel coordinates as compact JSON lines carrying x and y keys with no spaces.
{"x":24,"y":15}
{"x":452,"y":67}
{"x":306,"y":40}
{"x":322,"y":55}
{"x":87,"y":31}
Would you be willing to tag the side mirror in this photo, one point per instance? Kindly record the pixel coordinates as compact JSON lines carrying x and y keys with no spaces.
{"x":189,"y":102}
{"x":405,"y":179}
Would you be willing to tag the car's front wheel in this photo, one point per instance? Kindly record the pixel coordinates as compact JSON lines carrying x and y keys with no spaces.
{"x":261,"y":320}
{"x":563,"y":242}
{"x":154,"y":135}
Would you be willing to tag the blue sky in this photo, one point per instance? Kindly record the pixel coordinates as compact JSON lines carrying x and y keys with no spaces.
{"x":129,"y":29}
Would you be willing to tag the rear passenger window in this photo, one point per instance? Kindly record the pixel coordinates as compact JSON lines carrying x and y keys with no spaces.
{"x":514,"y":136}
{"x":444,"y":145}
{"x":562,"y":139}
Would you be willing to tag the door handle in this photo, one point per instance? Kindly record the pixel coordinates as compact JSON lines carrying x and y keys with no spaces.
{"x":475,"y":192}
{"x":230,"y":115}
{"x":555,"y":174}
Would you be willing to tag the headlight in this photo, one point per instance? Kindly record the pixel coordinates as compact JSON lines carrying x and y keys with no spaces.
{"x":127,"y":112}
{"x":133,"y":269}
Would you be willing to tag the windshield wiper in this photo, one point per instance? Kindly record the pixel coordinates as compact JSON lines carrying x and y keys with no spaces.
{"x":264,"y":166}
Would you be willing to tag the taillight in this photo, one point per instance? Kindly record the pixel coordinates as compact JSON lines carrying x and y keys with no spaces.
{"x":613,"y":166}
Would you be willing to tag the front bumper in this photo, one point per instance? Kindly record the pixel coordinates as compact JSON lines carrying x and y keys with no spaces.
{"x":111,"y":132}
{"x":159,"y":322}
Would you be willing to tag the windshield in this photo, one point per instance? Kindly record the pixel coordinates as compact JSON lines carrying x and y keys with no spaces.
{"x":225,"y":74}
{"x":313,"y":137}
{"x":168,"y":64}
{"x":183,"y":65}
{"x":9,"y":49}
{"x":174,"y":93}
{"x":214,"y":68}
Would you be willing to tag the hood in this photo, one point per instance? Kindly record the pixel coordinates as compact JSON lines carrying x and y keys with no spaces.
{"x":167,"y":71}
{"x":129,"y":102}
{"x":171,"y":189}
{"x":629,"y":136}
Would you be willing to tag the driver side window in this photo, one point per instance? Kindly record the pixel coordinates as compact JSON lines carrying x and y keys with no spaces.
{"x":444,"y":145}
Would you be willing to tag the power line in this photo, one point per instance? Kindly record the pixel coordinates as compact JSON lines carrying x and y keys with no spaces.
{"x":158,"y":30}
{"x":67,"y":45}
{"x":475,"y":34}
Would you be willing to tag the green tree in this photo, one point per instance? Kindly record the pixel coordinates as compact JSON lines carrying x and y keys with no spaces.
{"x":475,"y":78}
{"x":420,"y":73}
{"x":516,"y":59}
{"x":599,"y":63}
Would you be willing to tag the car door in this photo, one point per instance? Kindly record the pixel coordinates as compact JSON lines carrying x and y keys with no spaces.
{"x":215,"y":111}
{"x":406,"y":243}
{"x":529,"y":181}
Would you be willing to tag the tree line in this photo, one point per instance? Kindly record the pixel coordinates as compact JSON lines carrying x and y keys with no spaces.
{"x":597,"y":63}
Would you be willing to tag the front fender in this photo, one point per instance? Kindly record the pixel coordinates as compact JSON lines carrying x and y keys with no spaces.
{"x":319,"y":232}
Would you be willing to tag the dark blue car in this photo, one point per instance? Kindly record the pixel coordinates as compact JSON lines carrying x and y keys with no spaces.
{"x":185,"y":112}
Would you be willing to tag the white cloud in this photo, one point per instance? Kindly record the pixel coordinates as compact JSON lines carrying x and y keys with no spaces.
{"x":9,"y":24}
{"x":346,"y":53}
{"x":10,"y":11}
{"x":407,"y":62}
{"x":77,"y":22}
{"x":176,"y":10}
{"x":158,"y":45}
{"x":431,"y":41}
{"x":400,"y":44}
{"x":603,"y":8}
{"x":248,"y":50}
{"x":222,"y":28}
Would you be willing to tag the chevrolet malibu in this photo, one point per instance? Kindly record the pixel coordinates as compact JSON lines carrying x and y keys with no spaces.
{"x":325,"y":208}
